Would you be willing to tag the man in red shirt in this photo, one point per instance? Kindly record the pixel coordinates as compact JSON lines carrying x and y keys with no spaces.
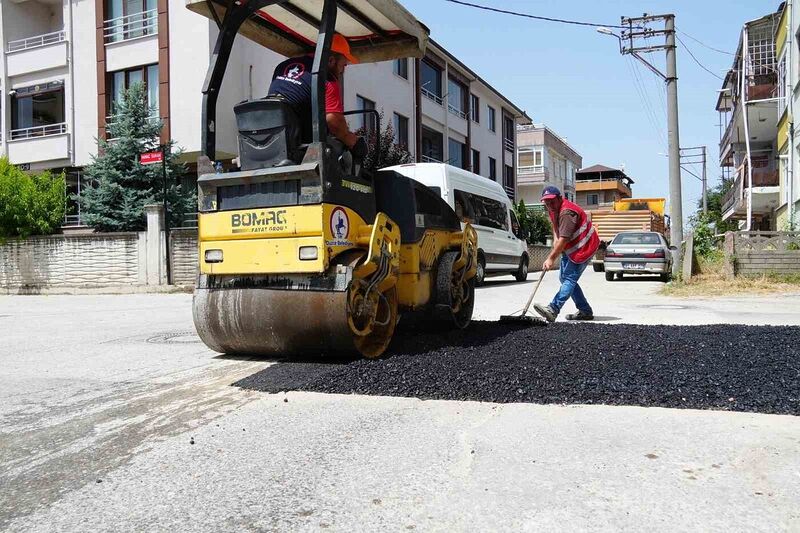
{"x":575,"y":240}
{"x":292,"y":81}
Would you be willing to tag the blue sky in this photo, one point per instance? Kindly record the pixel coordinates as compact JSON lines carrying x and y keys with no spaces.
{"x":574,"y":80}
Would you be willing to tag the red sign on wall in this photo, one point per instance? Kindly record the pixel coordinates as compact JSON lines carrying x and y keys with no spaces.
{"x":148,"y":158}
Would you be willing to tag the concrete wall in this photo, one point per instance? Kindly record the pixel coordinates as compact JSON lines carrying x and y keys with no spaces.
{"x":183,"y":249}
{"x":754,"y":253}
{"x":78,"y":261}
{"x":537,"y":254}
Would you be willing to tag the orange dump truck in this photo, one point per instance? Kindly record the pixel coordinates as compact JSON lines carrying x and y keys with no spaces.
{"x":629,"y":214}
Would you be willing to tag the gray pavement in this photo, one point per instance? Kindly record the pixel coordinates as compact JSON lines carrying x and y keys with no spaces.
{"x":113,"y":417}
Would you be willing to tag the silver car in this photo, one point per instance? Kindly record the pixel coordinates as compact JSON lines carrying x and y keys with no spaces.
{"x":638,"y":252}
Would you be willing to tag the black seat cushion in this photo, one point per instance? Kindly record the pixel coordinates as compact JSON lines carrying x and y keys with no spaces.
{"x":269,"y":133}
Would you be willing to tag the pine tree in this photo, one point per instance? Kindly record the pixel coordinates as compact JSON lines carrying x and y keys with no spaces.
{"x":121,"y":185}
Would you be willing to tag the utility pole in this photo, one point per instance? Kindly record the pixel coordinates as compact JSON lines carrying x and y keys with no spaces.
{"x":696,"y":155}
{"x":635,"y":40}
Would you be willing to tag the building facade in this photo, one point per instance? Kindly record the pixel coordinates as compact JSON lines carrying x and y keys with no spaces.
{"x":65,"y":63}
{"x":598,"y":187}
{"x":787,"y":52}
{"x":544,"y":158}
{"x":753,"y":106}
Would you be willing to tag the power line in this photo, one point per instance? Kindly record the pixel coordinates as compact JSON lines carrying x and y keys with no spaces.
{"x":697,"y":61}
{"x":701,"y":43}
{"x":646,"y":104}
{"x":536,"y":17}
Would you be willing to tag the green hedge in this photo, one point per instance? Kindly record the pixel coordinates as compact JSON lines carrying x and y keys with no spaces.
{"x":30,"y":204}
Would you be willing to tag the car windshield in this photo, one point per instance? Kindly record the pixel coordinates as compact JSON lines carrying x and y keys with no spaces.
{"x":637,"y":238}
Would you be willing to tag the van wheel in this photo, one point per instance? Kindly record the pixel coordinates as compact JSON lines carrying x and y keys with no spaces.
{"x":480,"y":273}
{"x":522,"y":272}
{"x":609,"y":276}
{"x":598,"y":267}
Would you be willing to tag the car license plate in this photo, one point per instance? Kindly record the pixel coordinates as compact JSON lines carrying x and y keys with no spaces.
{"x":633,"y":266}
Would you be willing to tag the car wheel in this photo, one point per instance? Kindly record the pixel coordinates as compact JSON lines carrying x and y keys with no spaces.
{"x":619,"y":275}
{"x":665,"y":277}
{"x":522,"y":272}
{"x":609,"y":276}
{"x":598,"y":267}
{"x":480,"y":274}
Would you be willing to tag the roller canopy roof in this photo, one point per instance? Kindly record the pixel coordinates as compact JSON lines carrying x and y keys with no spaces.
{"x":377,"y":30}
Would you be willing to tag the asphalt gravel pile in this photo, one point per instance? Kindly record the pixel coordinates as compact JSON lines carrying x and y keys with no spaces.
{"x":727,"y":367}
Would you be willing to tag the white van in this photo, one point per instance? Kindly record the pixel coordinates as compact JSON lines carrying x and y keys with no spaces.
{"x":483,"y":203}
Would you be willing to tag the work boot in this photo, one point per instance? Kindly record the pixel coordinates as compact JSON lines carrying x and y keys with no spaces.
{"x":546,"y":311}
{"x":580,"y":315}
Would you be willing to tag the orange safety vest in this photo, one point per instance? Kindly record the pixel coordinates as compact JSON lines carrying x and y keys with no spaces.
{"x":584,"y":242}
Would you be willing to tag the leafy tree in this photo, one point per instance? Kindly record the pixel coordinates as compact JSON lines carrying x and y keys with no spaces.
{"x":390,"y":153}
{"x":534,"y":222}
{"x":30,"y":204}
{"x":707,"y":226}
{"x":122,"y":186}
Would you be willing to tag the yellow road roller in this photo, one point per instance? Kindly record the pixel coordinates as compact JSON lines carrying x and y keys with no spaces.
{"x":301,"y":250}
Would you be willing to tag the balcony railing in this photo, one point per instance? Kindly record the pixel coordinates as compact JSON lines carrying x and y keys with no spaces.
{"x":528,"y":170}
{"x":429,"y":159}
{"x":509,"y":144}
{"x":457,"y":112}
{"x":131,"y":26}
{"x":430,"y":96}
{"x":37,"y":41}
{"x":38,"y":131}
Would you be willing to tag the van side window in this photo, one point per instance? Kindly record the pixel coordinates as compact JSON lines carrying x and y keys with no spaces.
{"x":490,"y":213}
{"x":463,"y":205}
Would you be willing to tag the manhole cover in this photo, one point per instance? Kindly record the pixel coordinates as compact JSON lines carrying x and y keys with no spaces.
{"x":666,"y":307}
{"x":181,"y":337}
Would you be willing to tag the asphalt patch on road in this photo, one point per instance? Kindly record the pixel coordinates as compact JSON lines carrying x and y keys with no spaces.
{"x":722,"y":367}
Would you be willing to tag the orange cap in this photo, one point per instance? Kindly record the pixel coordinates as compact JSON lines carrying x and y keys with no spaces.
{"x":341,"y":46}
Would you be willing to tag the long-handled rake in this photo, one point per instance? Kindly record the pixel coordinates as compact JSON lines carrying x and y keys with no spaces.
{"x":525,"y":318}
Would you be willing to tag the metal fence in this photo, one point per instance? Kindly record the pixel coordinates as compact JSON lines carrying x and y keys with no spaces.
{"x":38,"y":131}
{"x":131,"y":26}
{"x":35,"y":42}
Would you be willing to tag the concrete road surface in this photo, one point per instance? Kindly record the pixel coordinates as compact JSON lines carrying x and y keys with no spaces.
{"x":114,"y":417}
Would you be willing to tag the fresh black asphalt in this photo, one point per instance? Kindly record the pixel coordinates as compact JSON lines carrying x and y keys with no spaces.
{"x":723,"y":367}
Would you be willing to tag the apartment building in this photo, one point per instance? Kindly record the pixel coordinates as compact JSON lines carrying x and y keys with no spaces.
{"x":598,"y":187}
{"x":442,"y":111}
{"x":753,"y":108}
{"x":544,"y":158}
{"x":787,"y":52}
{"x":65,"y":63}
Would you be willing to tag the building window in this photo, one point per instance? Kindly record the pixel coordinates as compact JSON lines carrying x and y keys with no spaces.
{"x":366,"y":120}
{"x":432,"y":146}
{"x":492,"y":168}
{"x":129,"y":19}
{"x":475,"y":107}
{"x":123,"y":80}
{"x":592,"y":199}
{"x":529,"y":160}
{"x":457,"y":98}
{"x":400,"y":130}
{"x":492,"y":119}
{"x":476,"y":161}
{"x":509,"y":133}
{"x":457,"y":151}
{"x":401,"y":68}
{"x":38,"y":111}
{"x":508,"y":180}
{"x":431,"y":81}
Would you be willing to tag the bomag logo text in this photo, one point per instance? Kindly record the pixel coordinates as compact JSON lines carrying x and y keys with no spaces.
{"x":273,"y":220}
